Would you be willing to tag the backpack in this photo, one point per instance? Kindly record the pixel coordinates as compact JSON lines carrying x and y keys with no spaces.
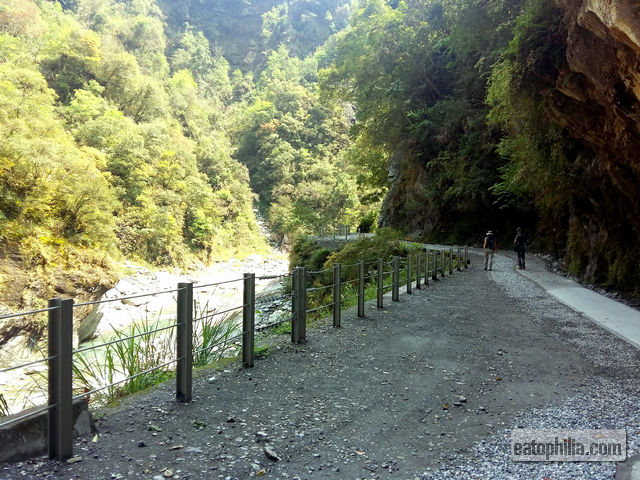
{"x":490,"y":241}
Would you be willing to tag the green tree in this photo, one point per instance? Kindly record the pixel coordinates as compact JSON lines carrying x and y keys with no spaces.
{"x":49,"y":187}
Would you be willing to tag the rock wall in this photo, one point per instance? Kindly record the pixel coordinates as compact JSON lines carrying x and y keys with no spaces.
{"x":597,"y":100}
{"x":405,"y":203}
{"x":594,"y":95}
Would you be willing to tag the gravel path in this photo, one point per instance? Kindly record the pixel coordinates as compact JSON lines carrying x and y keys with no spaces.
{"x":368,"y":400}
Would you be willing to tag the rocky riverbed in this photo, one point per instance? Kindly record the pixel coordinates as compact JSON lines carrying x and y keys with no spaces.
{"x":26,"y":387}
{"x":216,"y":287}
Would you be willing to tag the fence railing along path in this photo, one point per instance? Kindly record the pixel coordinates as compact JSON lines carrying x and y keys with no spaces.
{"x":346,"y":285}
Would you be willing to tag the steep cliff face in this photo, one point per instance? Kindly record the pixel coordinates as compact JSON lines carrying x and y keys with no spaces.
{"x":591,"y":90}
{"x":232,"y":25}
{"x":406,"y":202}
{"x":236,"y":26}
{"x":597,"y":100}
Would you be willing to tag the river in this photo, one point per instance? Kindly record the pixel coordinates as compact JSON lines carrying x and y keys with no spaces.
{"x":24,"y":388}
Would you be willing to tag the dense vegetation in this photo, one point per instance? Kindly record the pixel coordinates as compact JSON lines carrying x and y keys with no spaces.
{"x":474,"y":112}
{"x":418,"y":74}
{"x":149,"y":129}
{"x":123,"y":138}
{"x":108,"y":144}
{"x":247,"y":31}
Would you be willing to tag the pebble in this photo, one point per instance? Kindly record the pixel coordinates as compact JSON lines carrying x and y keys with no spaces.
{"x":271,"y":454}
{"x":75,"y":459}
{"x":193,"y":450}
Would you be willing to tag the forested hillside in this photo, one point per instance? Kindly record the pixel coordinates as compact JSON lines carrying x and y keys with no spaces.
{"x":111,"y":149}
{"x":126,"y":135}
{"x":150,"y":129}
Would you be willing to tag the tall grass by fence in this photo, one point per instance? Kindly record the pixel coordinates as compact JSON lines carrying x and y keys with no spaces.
{"x":150,"y":352}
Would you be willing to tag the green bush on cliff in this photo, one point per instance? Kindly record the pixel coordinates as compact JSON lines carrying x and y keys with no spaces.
{"x":385,"y":244}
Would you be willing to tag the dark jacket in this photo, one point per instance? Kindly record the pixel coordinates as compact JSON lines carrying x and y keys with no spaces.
{"x":520,"y":243}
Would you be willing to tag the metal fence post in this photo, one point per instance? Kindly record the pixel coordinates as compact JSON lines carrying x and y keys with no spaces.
{"x":426,"y":268}
{"x":295,"y":305}
{"x":450,"y":260}
{"x":395,"y":280}
{"x":184,"y":339}
{"x":434,"y":273}
{"x":361,"y":288}
{"x":337,"y":274}
{"x":302,"y":311}
{"x":409,"y":273}
{"x":60,"y":351}
{"x":248,"y":319}
{"x":380,"y":284}
{"x":418,"y":270}
{"x":442,"y":262}
{"x":346,"y":232}
{"x":458,"y":257}
{"x":466,"y":253}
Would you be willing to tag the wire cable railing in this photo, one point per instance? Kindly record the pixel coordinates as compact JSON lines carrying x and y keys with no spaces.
{"x":309,"y":292}
{"x":29,"y":313}
{"x":319,"y":289}
{"x":223,"y":282}
{"x":25,"y":365}
{"x":127,"y":379}
{"x":217,"y":313}
{"x":4,"y":423}
{"x":317,"y":272}
{"x":327,"y":306}
{"x":123,"y":339}
{"x":273,"y":277}
{"x":120,"y":299}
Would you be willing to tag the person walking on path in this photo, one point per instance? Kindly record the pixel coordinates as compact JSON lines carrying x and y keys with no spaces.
{"x":519,"y":246}
{"x":489,"y":248}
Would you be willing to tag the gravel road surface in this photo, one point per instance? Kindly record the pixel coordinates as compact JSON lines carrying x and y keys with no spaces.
{"x":428,"y":387}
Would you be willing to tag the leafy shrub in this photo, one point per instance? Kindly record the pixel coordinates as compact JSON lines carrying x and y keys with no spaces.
{"x":307,"y":253}
{"x":386,"y":244}
{"x":368,"y":222}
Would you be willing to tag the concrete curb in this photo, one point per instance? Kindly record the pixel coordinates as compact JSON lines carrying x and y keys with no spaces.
{"x":28,"y":438}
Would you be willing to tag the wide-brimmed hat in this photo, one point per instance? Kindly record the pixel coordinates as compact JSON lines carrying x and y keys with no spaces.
{"x":489,"y":232}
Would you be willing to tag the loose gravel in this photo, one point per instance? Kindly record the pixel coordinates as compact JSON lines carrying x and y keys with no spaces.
{"x":607,"y":399}
{"x":428,"y":387}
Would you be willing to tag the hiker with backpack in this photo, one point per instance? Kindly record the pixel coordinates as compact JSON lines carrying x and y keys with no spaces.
{"x":489,"y":248}
{"x":519,"y":246}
